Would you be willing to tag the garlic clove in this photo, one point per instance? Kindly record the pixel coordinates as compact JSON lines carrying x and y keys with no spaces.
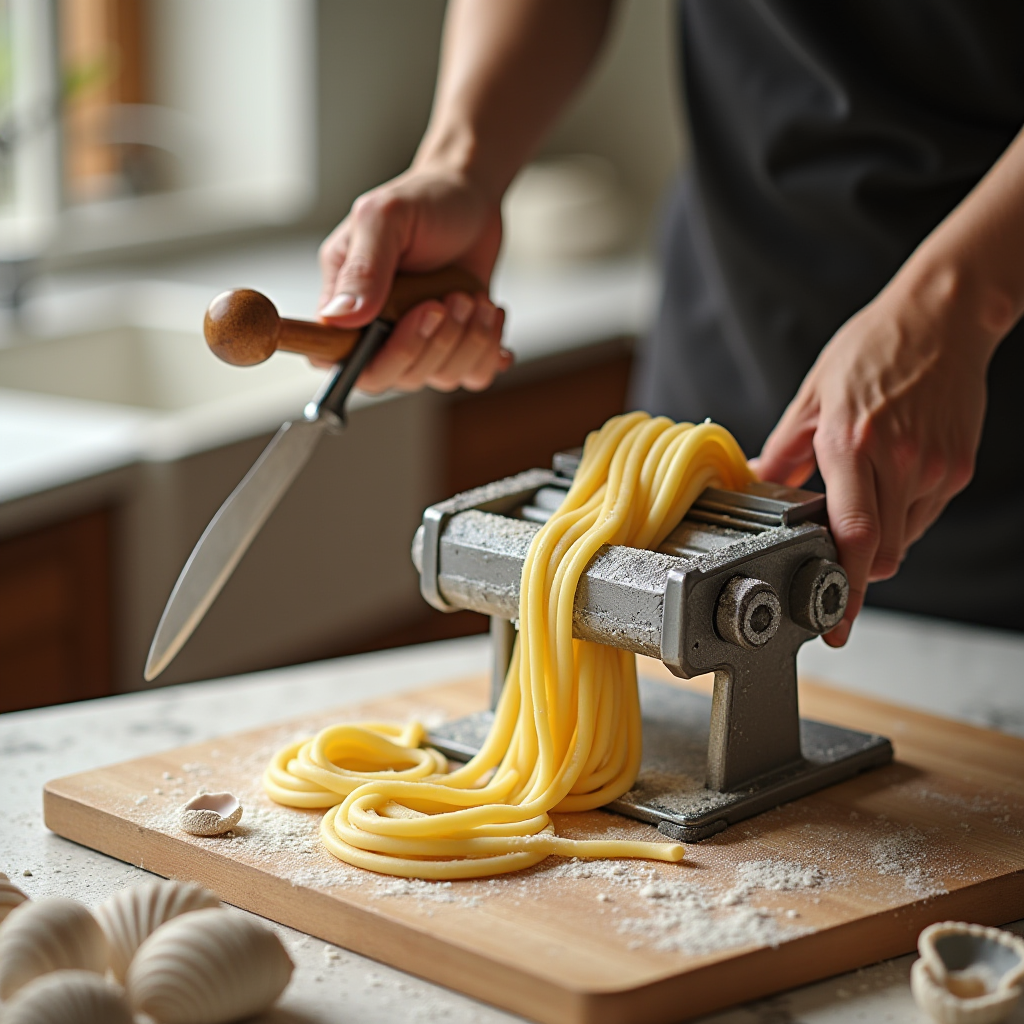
{"x":208,"y":967}
{"x":68,"y":997}
{"x":130,"y":917}
{"x":48,"y":935}
{"x":210,"y":814}
{"x":10,"y":896}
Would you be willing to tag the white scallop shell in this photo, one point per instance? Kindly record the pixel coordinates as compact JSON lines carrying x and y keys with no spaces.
{"x":10,"y":896}
{"x":130,"y":917}
{"x":210,"y":814}
{"x":68,"y":997}
{"x":209,"y":967}
{"x":967,"y":974}
{"x":48,"y":935}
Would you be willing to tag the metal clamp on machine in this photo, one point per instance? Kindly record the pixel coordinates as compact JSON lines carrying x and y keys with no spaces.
{"x":738,"y":586}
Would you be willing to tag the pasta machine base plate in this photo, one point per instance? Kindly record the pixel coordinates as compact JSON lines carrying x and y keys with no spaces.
{"x":670,"y":792}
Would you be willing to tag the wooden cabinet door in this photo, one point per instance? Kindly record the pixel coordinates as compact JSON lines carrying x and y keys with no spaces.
{"x":55,"y":614}
{"x":516,"y":425}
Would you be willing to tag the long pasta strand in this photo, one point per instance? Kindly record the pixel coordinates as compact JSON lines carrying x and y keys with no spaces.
{"x":566,"y":733}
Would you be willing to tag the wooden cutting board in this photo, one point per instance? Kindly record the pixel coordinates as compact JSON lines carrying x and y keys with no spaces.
{"x":826,"y":884}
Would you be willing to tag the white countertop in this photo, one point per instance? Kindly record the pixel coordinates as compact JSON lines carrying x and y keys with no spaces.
{"x":47,"y":440}
{"x":959,"y":671}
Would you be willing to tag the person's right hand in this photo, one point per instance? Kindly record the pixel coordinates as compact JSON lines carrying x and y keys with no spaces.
{"x":422,"y":220}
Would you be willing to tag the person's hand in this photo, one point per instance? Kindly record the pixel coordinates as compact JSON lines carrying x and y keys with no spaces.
{"x":891,"y":415}
{"x":422,"y":220}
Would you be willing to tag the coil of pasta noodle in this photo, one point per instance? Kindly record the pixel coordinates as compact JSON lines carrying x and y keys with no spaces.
{"x":566,"y":733}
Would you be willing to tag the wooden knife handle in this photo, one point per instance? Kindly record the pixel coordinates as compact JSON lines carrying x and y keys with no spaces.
{"x":242,"y":326}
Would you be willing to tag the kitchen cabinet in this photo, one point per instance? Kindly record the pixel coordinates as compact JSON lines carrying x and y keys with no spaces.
{"x":55,"y":613}
{"x":524,"y":418}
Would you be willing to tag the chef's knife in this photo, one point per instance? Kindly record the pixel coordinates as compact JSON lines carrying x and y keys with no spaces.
{"x":242,"y":327}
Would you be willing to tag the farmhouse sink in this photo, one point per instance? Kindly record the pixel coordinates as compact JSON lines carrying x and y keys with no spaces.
{"x":165,"y":371}
{"x":188,"y":399}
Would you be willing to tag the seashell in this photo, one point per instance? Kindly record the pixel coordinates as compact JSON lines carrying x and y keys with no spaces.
{"x":209,"y":967}
{"x":967,"y":974}
{"x":68,"y":997}
{"x":130,"y":917}
{"x":48,"y":935}
{"x":210,"y":814}
{"x":10,"y":896}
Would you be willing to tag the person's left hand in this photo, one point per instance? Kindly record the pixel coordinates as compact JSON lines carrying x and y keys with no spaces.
{"x":891,"y":415}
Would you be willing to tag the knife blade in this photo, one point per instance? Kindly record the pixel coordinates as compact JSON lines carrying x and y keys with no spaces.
{"x":237,"y":522}
{"x":228,"y":536}
{"x":242,"y":327}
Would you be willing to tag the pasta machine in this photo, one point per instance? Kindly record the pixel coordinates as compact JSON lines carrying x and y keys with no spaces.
{"x":738,"y":586}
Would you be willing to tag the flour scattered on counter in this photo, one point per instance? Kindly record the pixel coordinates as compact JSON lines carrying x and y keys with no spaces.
{"x":781,"y":875}
{"x":668,"y":909}
{"x":290,"y":843}
{"x":686,"y":920}
{"x":435,"y":892}
{"x":283,"y":841}
{"x":776,"y":876}
{"x":609,"y":870}
{"x":905,"y":856}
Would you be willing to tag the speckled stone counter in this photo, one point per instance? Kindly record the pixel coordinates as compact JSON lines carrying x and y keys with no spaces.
{"x":972,"y":674}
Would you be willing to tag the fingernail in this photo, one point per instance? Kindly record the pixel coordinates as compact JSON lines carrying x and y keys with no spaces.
{"x":505,"y":353}
{"x":430,"y":321}
{"x":342,"y":304}
{"x":487,"y":315}
{"x":462,"y":308}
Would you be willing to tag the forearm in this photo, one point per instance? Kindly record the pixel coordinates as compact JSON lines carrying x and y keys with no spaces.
{"x":969,"y":271}
{"x":507,"y":68}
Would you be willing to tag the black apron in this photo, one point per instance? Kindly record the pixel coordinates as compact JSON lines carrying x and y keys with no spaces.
{"x":828,"y":138}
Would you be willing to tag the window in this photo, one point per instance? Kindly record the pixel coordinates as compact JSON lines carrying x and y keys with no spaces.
{"x":137,"y":121}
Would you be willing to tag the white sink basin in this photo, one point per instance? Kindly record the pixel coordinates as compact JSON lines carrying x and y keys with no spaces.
{"x":158,"y":370}
{"x":149,"y":393}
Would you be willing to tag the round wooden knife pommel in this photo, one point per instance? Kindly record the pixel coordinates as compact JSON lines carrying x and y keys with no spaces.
{"x":243,"y":327}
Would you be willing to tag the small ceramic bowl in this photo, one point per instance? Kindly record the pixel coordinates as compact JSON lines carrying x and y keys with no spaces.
{"x":967,"y":974}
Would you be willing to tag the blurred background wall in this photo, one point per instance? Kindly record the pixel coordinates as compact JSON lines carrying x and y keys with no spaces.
{"x":155,"y":152}
{"x":374,"y":101}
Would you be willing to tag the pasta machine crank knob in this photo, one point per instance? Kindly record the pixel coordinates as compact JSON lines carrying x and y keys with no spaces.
{"x":818,"y":595}
{"x":748,"y":612}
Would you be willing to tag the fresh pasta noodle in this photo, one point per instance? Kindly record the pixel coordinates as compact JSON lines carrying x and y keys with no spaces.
{"x":566,"y":733}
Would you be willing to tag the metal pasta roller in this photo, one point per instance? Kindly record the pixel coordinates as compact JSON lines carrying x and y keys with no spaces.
{"x":735,"y":589}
